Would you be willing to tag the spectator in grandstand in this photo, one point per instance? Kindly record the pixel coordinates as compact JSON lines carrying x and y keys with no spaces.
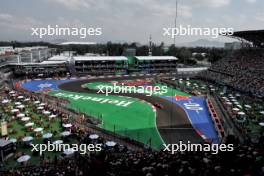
{"x":243,"y":71}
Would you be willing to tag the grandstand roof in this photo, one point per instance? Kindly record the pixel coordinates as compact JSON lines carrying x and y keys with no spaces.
{"x":156,"y":58}
{"x":254,"y":36}
{"x":100,"y":58}
{"x":52,"y":62}
{"x":77,"y":43}
{"x":59,"y":58}
{"x":41,"y":63}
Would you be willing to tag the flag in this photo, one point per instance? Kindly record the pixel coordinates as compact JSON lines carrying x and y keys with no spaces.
{"x":179,"y":97}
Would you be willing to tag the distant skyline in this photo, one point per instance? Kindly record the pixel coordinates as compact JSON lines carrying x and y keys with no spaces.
{"x":127,"y":20}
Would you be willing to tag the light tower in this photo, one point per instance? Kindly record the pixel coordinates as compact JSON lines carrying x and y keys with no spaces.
{"x":150,"y":46}
{"x":175,"y":20}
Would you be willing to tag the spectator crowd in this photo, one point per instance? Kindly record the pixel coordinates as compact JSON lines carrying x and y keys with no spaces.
{"x":245,"y":160}
{"x":243,"y":70}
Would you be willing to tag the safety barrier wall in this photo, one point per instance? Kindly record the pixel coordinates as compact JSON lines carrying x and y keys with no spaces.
{"x":216,"y":119}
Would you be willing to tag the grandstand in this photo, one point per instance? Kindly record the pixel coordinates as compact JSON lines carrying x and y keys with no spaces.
{"x":101,"y":65}
{"x":28,"y":62}
{"x":153,"y":64}
{"x":255,"y":37}
{"x":6,"y":50}
{"x":5,"y":68}
{"x":242,"y":69}
{"x":45,"y":68}
{"x":111,"y":65}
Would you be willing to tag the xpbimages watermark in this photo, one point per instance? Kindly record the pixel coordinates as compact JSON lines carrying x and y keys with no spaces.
{"x":197,"y":31}
{"x":190,"y":147}
{"x":121,"y":88}
{"x":81,"y":148}
{"x":56,"y":30}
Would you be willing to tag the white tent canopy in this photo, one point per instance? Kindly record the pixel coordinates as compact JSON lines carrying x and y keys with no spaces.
{"x":5,"y":101}
{"x":29,"y":124}
{"x":241,"y":113}
{"x":66,"y":133}
{"x":38,"y":129}
{"x":110,"y":143}
{"x":47,"y":135}
{"x":58,"y":142}
{"x":93,"y":136}
{"x":67,"y":125}
{"x":27,"y":139}
{"x":23,"y":158}
{"x":69,"y":151}
{"x":21,"y":115}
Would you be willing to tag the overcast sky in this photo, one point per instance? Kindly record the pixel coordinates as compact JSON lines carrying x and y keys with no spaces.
{"x":127,"y":20}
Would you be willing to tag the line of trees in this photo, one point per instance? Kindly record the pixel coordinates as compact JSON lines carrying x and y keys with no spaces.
{"x":184,"y":54}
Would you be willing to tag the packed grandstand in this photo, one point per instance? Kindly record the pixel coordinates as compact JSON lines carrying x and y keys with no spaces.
{"x":56,"y":100}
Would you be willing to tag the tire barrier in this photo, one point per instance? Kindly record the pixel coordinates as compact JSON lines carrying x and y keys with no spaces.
{"x":216,"y":120}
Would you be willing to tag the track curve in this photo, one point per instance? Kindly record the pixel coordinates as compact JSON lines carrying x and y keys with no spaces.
{"x":172,"y":121}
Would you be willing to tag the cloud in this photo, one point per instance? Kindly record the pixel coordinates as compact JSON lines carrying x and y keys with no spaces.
{"x":73,"y":4}
{"x":212,"y":3}
{"x":185,"y":11}
{"x":5,"y":16}
{"x":14,"y":22}
{"x":260,"y":17}
{"x":251,"y":1}
{"x":166,"y":9}
{"x":9,"y":21}
{"x":128,"y":20}
{"x":63,"y":22}
{"x":152,"y":7}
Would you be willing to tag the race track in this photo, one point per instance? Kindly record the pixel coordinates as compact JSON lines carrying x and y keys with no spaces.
{"x":172,"y":121}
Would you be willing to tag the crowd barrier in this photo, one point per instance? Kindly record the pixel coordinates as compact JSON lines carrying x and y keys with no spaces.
{"x":216,"y":119}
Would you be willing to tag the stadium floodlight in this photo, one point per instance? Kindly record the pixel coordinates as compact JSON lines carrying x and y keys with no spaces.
{"x":175,"y":20}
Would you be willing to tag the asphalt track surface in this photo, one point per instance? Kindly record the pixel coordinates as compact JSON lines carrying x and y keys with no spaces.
{"x":172,"y":121}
